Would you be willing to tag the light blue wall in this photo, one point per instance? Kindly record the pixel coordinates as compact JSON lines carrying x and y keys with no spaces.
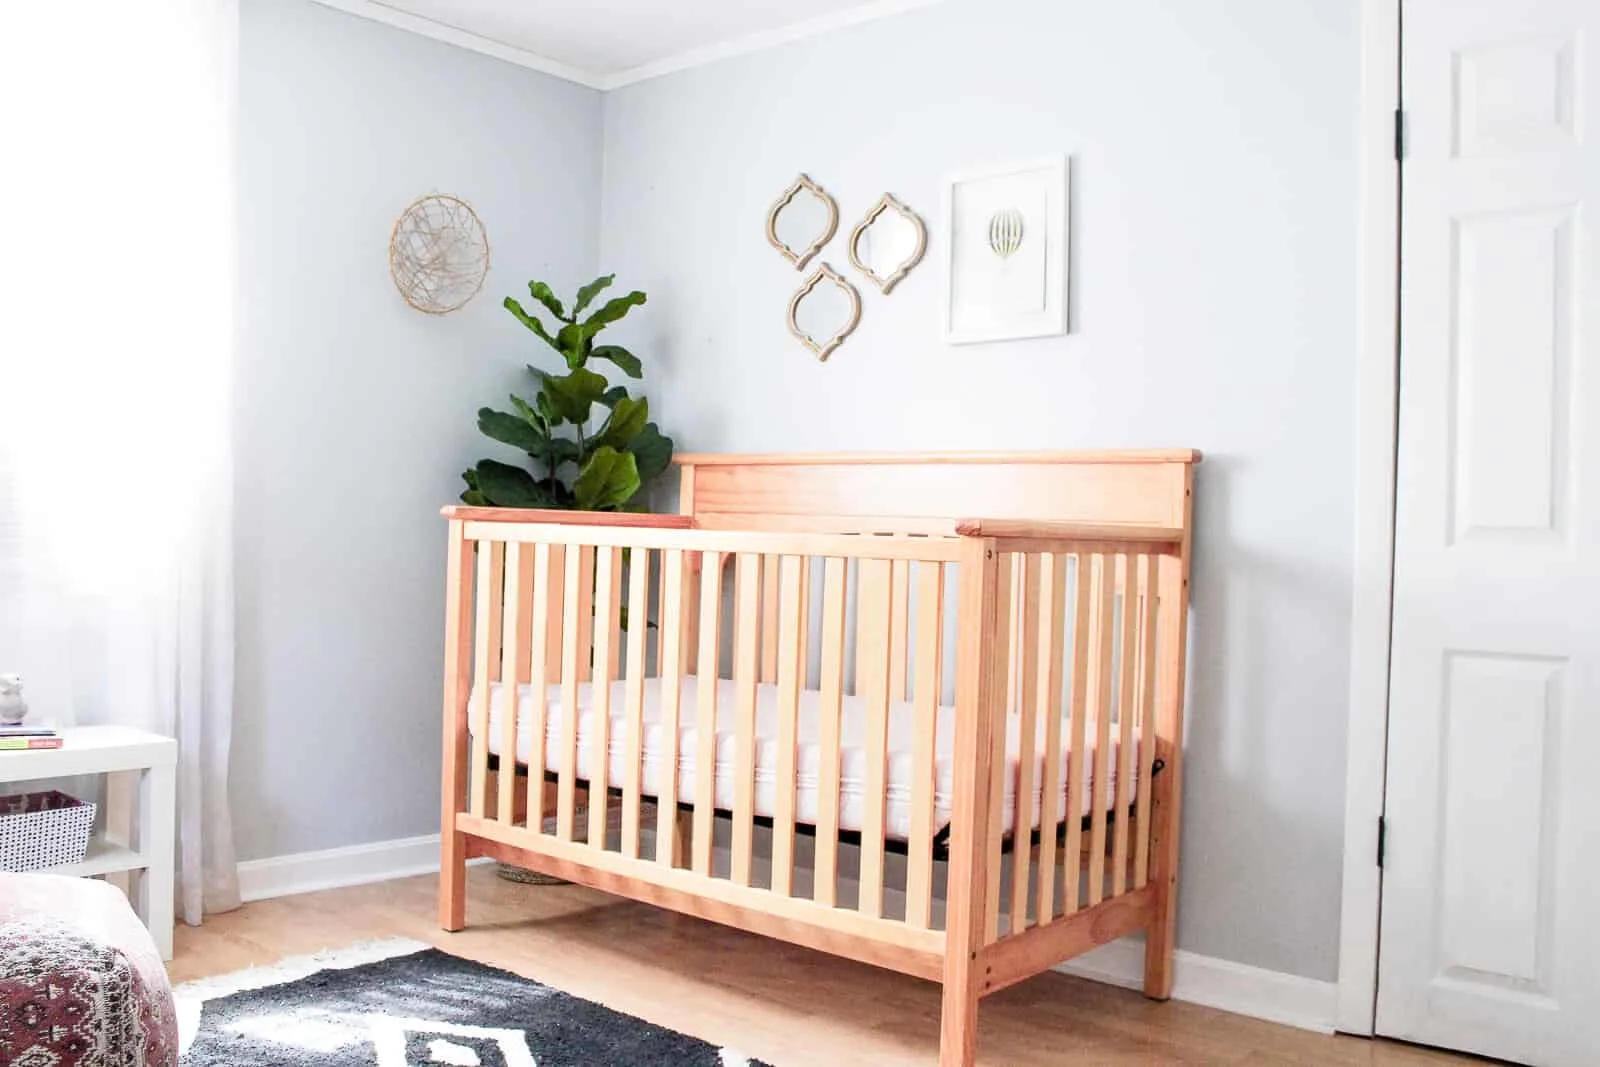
{"x":1214,"y":147}
{"x":354,"y":414}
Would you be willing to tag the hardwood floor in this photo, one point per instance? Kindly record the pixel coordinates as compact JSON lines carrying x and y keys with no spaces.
{"x":786,"y":1005}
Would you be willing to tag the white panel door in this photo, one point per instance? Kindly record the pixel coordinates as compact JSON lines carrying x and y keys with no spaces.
{"x":1491,"y":892}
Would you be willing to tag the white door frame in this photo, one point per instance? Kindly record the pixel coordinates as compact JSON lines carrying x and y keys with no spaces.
{"x":1377,"y":407}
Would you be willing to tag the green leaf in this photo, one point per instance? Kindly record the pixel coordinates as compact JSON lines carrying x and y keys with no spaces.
{"x":542,"y":293}
{"x":607,"y":480}
{"x":505,"y":486}
{"x":614,"y":394}
{"x":627,"y":419}
{"x":613,"y":310}
{"x":549,"y":408}
{"x":652,"y":451}
{"x":621,"y":357}
{"x":587,"y":294}
{"x":563,"y":450}
{"x":470,"y":494}
{"x":534,"y":418}
{"x":531,"y":322}
{"x":575,"y":345}
{"x":572,"y":395}
{"x":513,"y":430}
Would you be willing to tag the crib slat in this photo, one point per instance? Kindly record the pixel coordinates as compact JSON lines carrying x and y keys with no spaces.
{"x":1028,"y":746}
{"x":556,"y":600}
{"x":574,"y":654}
{"x":705,"y":765}
{"x":638,"y":632}
{"x":874,"y":580}
{"x":831,"y":686}
{"x":539,"y":682}
{"x":925,"y":692}
{"x":586,"y":615}
{"x":946,"y":660}
{"x":513,"y":669}
{"x":613,"y":661}
{"x":1104,"y":645}
{"x":1147,"y":721}
{"x":899,"y":628}
{"x":670,"y":668}
{"x":769,"y":618}
{"x":746,"y":662}
{"x":693,"y":563}
{"x":1126,"y":703}
{"x":486,"y":665}
{"x":805,"y":620}
{"x":1052,"y":602}
{"x":1010,"y":577}
{"x":1085,"y":580}
{"x":605,"y":596}
{"x":525,"y":653}
{"x":790,"y":682}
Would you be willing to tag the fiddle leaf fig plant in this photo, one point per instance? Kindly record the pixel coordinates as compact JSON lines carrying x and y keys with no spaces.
{"x":590,"y":444}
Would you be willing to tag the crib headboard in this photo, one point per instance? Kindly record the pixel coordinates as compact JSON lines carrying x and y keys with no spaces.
{"x":925,"y":492}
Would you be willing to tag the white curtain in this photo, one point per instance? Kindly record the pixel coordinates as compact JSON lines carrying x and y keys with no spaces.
{"x":116,"y":338}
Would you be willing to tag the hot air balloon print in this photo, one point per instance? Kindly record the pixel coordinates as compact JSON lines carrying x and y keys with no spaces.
{"x":1006,"y":229}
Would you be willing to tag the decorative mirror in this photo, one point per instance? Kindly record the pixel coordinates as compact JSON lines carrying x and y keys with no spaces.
{"x":829,"y":311}
{"x":801,"y":221}
{"x":887,"y":243}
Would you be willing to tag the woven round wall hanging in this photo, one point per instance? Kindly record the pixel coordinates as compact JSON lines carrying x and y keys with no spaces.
{"x":438,"y":254}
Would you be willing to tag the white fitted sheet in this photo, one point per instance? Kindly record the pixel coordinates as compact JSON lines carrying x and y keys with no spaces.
{"x":853,"y":758}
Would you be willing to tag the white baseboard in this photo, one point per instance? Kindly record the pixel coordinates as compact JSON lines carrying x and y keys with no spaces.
{"x":1216,"y":983}
{"x":307,"y":872}
{"x":1205,"y":980}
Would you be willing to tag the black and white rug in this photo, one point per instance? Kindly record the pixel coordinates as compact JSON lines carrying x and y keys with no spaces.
{"x":402,"y":1004}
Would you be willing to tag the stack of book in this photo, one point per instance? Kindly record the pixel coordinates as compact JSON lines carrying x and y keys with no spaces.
{"x":28,"y":735}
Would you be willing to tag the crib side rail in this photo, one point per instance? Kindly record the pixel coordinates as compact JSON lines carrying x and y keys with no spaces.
{"x":1083,"y":665}
{"x":1058,"y":633}
{"x":547,"y":616}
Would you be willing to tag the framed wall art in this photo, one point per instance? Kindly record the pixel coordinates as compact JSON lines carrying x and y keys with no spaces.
{"x":1006,"y":259}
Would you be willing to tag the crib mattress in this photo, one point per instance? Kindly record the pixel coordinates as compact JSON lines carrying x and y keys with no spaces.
{"x":853,"y":756}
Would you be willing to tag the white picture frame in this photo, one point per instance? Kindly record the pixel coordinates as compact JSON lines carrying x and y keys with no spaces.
{"x":1006,"y":258}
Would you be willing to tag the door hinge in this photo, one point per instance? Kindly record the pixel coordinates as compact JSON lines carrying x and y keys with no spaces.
{"x":1383,"y":839}
{"x":1399,"y":135}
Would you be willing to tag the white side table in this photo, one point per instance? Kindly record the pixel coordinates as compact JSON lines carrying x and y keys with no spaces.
{"x":141,"y":772}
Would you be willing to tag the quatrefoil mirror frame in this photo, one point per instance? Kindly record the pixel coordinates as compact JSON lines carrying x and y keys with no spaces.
{"x":887,"y":283}
{"x":801,"y":256}
{"x":823,"y":349}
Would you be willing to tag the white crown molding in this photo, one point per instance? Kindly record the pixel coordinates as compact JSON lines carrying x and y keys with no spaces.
{"x":378,"y":12}
{"x":757,"y":42}
{"x":694,"y":57}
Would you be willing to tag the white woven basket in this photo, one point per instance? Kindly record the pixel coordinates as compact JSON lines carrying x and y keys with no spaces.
{"x":40,"y":830}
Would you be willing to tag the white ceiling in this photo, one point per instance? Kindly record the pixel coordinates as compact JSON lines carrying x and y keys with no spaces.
{"x":606,"y":43}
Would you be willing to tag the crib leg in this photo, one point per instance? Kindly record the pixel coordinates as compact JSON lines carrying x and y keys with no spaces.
{"x":453,"y":881}
{"x":1159,"y":945}
{"x":958,"y":1024}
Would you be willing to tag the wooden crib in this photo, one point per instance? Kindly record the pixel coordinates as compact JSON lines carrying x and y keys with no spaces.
{"x":823,"y":706}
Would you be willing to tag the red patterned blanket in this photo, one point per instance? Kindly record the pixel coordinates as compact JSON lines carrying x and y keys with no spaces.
{"x":81,"y":983}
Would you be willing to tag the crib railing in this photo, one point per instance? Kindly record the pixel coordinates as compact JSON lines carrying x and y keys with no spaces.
{"x":1050,"y":633}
